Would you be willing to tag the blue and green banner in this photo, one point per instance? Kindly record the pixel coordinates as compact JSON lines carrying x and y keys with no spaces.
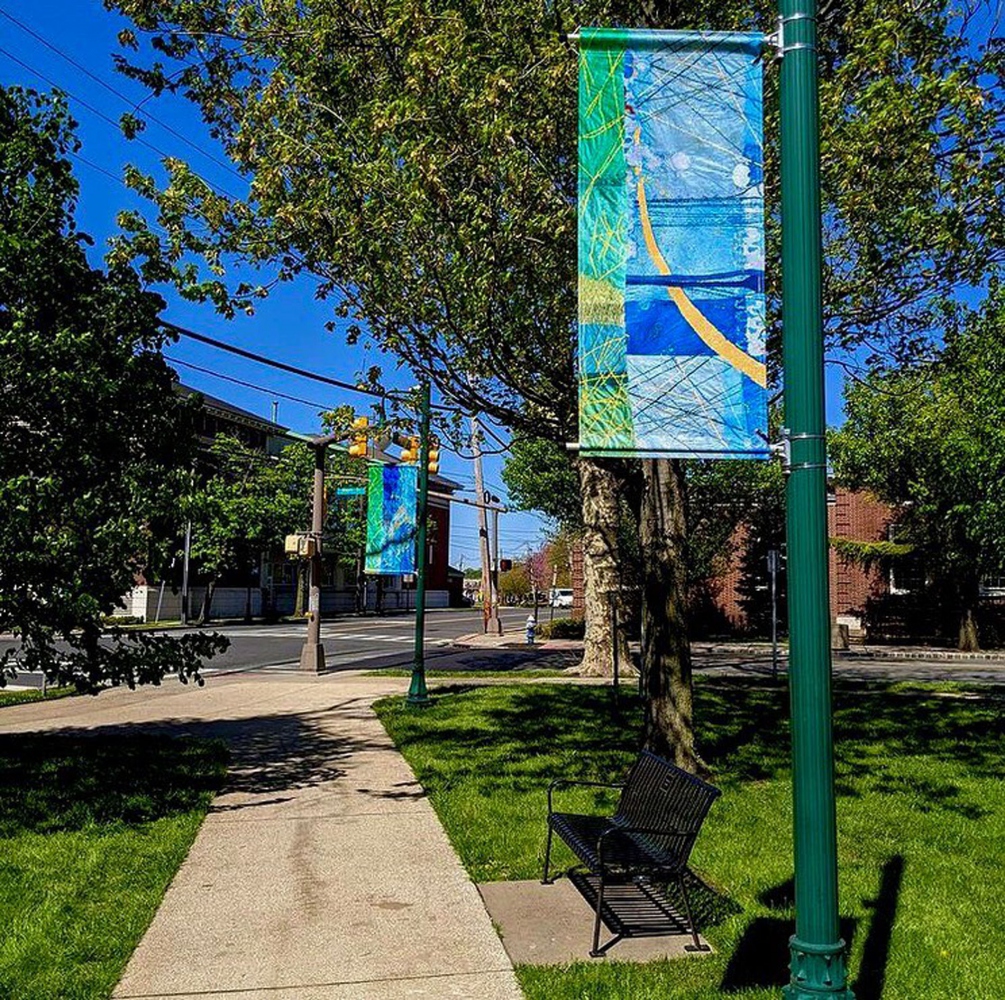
{"x":392,"y":493}
{"x":671,"y":245}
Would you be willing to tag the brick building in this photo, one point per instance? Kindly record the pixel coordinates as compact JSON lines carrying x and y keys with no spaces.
{"x":742,"y":583}
{"x":852,"y":515}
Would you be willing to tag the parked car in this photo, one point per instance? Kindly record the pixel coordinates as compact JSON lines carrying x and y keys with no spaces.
{"x":561,"y":597}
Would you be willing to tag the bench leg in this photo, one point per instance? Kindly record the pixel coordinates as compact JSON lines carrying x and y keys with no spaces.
{"x":547,"y":857}
{"x":597,"y":953}
{"x":697,"y":946}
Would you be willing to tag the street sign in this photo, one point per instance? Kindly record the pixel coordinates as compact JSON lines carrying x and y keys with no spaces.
{"x":350,"y":491}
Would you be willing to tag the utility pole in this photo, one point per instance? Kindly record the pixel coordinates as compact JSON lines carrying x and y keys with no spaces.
{"x":418,"y":696}
{"x":818,"y":953}
{"x":312,"y":656}
{"x":490,"y":615}
{"x":184,"y":572}
{"x":496,"y":623}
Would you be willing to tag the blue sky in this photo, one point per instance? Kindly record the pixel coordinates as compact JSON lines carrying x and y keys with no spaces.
{"x":289,"y":326}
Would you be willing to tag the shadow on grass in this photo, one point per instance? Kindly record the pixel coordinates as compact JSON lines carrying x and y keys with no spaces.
{"x":742,"y":731}
{"x":875,"y":955}
{"x":504,"y":661}
{"x":53,"y":783}
{"x":761,"y":956}
{"x":138,"y":772}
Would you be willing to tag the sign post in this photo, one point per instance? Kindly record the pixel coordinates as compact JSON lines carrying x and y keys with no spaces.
{"x":818,"y":953}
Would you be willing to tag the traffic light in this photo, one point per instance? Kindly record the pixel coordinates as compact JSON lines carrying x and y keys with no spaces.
{"x":360,"y":445}
{"x":434,"y":457}
{"x":411,"y":453}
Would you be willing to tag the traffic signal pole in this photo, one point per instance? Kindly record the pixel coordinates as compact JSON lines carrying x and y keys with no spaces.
{"x":417,"y":693}
{"x":818,"y":953}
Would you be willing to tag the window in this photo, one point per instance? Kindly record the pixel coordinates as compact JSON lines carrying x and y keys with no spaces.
{"x":907,"y":573}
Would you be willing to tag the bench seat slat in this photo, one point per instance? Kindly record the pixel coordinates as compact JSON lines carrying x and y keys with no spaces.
{"x":624,"y":852}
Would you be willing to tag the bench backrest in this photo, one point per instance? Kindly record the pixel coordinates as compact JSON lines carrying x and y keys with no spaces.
{"x":659,"y":795}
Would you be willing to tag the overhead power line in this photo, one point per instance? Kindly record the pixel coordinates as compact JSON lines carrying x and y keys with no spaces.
{"x":292,"y":369}
{"x":248,"y":385}
{"x":272,"y":363}
{"x":111,"y":121}
{"x":119,"y":94}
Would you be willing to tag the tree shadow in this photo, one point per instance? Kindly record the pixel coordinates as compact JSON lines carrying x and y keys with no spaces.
{"x":136,"y":772}
{"x":512,"y":659}
{"x":66,"y":782}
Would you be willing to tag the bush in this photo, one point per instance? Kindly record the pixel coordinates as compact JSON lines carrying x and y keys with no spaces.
{"x":562,"y":628}
{"x":112,"y":620}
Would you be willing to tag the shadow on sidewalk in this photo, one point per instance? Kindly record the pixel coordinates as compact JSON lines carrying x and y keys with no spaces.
{"x":268,"y":755}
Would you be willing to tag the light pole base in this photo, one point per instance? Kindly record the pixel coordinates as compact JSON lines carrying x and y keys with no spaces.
{"x":495,"y":625}
{"x":418,"y":695}
{"x":312,"y":658}
{"x":818,"y":972}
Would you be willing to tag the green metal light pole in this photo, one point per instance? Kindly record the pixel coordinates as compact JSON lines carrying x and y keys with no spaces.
{"x":417,"y":693}
{"x":818,"y":953}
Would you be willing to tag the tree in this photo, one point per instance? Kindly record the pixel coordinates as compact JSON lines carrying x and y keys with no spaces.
{"x":441,"y":138}
{"x":248,"y":501}
{"x":92,"y":436}
{"x":584,"y":498}
{"x":243,"y":504}
{"x":514,"y":584}
{"x":929,"y":439}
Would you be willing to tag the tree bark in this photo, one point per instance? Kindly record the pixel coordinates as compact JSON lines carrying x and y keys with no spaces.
{"x":207,"y":603}
{"x":666,"y":649}
{"x":969,"y":638}
{"x":600,"y":489}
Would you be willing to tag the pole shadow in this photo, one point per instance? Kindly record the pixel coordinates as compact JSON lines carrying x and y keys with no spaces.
{"x":761,"y":957}
{"x":876,"y":951}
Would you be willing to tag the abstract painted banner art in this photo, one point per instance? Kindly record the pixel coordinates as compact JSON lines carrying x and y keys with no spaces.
{"x":390,"y":519}
{"x":671,"y":245}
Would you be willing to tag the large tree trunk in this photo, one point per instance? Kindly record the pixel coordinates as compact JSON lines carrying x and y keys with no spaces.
{"x":599,"y":485}
{"x":666,"y":649}
{"x":969,"y":639}
{"x":207,"y":603}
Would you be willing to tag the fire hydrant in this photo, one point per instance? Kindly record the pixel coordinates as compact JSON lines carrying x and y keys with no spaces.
{"x":531,"y":627}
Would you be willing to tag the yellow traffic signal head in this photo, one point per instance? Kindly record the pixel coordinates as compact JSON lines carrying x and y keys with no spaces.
{"x":434,"y":459}
{"x":360,"y":445}
{"x":411,"y":453}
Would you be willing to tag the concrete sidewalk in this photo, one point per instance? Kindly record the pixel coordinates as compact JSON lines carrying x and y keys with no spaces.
{"x":320,"y":872}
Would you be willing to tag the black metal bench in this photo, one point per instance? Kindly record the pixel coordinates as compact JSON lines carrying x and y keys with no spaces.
{"x":650,"y":836}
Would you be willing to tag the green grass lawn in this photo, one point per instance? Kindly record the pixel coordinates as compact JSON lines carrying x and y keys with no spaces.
{"x":92,"y":831}
{"x":921,"y":817}
{"x":20,"y":697}
{"x":433,"y":674}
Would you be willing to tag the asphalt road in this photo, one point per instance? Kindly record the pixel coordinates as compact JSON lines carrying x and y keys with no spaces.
{"x":350,"y":642}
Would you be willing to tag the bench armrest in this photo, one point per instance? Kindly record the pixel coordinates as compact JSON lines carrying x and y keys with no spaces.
{"x":575,"y":781}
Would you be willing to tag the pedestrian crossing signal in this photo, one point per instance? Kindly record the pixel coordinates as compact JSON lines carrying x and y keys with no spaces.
{"x":360,"y":445}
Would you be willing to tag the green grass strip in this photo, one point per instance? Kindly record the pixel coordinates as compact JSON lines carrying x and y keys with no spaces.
{"x":23,"y":697}
{"x":92,"y":830}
